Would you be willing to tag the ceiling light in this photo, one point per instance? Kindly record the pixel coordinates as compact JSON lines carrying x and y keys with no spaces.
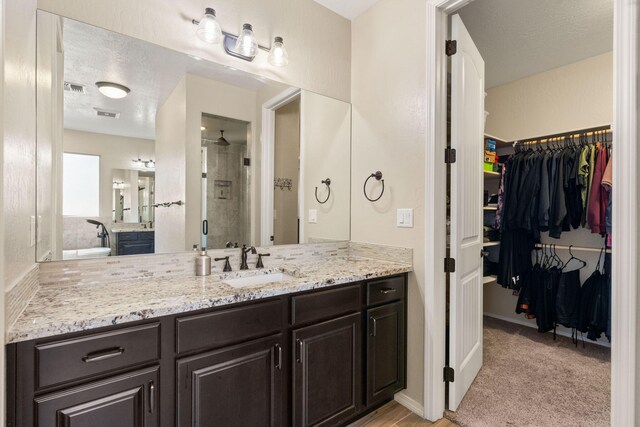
{"x":150,"y":164}
{"x":278,"y":55}
{"x":203,"y":128}
{"x":113,"y":90}
{"x":246,"y":44}
{"x":208,"y":28}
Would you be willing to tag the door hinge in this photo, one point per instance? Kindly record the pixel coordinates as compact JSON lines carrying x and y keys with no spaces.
{"x":449,"y":155}
{"x":451,"y":47}
{"x":449,"y":374}
{"x":449,"y":265}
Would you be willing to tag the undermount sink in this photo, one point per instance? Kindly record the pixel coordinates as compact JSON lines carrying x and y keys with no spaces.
{"x":262,"y":279}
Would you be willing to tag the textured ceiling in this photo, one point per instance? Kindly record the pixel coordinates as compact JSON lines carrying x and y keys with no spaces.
{"x":519,"y":38}
{"x":93,"y":54}
{"x":350,"y":9}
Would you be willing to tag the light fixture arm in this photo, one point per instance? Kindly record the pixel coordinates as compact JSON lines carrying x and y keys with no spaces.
{"x":230,"y":42}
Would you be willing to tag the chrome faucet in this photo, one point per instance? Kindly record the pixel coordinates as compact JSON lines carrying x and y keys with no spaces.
{"x":243,"y":256}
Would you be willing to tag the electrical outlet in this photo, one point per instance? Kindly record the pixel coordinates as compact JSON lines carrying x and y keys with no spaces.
{"x":313,"y":216}
{"x":404,"y":218}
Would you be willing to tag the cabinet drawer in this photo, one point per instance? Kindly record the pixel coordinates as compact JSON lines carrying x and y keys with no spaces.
{"x":129,"y":236}
{"x":62,"y":361}
{"x":230,"y":326}
{"x":325,"y":304}
{"x":385,"y":290}
{"x":146,"y":235}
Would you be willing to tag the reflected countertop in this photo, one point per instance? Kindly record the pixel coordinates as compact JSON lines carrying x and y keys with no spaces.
{"x":61,"y":309}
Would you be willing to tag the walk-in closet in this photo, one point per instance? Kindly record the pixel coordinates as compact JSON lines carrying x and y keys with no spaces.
{"x":546,"y":214}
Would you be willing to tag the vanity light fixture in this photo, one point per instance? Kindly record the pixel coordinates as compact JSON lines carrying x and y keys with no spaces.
{"x":244,"y":46}
{"x":113,"y":90}
{"x":150,"y":164}
{"x":278,"y":56}
{"x":209,"y":30}
{"x":139,"y":163}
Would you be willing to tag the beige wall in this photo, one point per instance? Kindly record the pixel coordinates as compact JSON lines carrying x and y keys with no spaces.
{"x":316,"y":38}
{"x":171,"y":171}
{"x":388,"y":87}
{"x":576,"y":96}
{"x":286,"y":165}
{"x":19,"y":137}
{"x":326,"y":136}
{"x":116,"y":152}
{"x":2,"y":230}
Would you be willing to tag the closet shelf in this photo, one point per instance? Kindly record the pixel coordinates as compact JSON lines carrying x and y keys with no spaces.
{"x":491,"y":174}
{"x":489,"y":208}
{"x":489,"y":279}
{"x":490,"y":244}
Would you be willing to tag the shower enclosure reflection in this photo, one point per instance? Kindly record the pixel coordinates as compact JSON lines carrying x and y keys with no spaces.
{"x":225,"y":181}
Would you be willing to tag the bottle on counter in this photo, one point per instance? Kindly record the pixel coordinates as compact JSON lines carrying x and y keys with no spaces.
{"x":203,"y":263}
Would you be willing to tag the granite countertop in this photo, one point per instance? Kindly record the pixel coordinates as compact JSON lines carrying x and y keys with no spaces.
{"x":56,"y":310}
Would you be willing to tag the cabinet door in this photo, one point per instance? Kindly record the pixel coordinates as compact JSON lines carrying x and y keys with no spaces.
{"x":326,"y":372}
{"x":233,"y":386}
{"x":385,"y":352}
{"x":126,"y":401}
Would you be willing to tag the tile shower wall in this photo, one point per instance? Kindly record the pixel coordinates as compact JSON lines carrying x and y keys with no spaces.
{"x":102,"y":270}
{"x":227,"y":195}
{"x":19,"y":296}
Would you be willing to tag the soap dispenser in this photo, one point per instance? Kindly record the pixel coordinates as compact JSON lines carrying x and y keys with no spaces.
{"x":203,"y":263}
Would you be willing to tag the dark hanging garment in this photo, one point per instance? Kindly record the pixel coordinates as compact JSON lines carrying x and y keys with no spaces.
{"x":568,"y":299}
{"x":590,"y":290}
{"x":546,"y":301}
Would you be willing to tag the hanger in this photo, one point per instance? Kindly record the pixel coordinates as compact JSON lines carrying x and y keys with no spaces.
{"x":557,"y":260}
{"x":599,"y":267}
{"x":573,"y":257}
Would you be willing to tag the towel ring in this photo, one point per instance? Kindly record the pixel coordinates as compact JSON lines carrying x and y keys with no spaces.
{"x":326,"y":182}
{"x":378,"y":176}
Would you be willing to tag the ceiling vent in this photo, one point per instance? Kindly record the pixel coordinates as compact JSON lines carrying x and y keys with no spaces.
{"x":107,"y":113}
{"x":74,"y":87}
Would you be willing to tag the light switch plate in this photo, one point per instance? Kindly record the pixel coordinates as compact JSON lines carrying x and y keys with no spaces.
{"x":313,"y":216}
{"x":405,"y":218}
{"x":33,"y":230}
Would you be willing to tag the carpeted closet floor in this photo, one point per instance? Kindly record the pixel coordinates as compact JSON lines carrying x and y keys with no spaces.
{"x":528,"y":379}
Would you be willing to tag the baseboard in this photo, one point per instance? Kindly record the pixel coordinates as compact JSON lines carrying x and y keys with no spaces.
{"x":532,"y":325}
{"x":409,"y":403}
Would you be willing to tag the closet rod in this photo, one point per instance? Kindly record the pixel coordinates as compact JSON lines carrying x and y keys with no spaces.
{"x":545,"y":138}
{"x":573,"y":248}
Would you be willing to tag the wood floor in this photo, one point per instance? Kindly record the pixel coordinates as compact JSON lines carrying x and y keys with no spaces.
{"x":393,"y":414}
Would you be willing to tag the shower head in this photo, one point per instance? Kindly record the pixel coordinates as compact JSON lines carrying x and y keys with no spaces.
{"x":222,"y":141}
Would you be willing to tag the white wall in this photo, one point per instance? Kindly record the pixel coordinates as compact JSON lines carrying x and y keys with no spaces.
{"x":326,"y":135}
{"x":116,"y":152}
{"x":170,"y":171}
{"x":2,"y":230}
{"x":316,"y":38}
{"x":388,"y":97}
{"x":575,"y":96}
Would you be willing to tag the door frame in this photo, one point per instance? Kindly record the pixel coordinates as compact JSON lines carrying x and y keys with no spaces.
{"x":625,"y":299}
{"x":267,"y":139}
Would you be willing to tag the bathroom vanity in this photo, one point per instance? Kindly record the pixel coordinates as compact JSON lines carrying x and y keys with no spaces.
{"x":305,"y":351}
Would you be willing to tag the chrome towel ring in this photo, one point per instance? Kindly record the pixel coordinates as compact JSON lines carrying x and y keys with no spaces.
{"x":378,"y":176}
{"x":326,"y":182}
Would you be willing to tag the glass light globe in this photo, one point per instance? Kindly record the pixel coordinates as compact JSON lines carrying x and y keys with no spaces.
{"x":278,"y":57}
{"x":209,"y":30}
{"x":246,"y":44}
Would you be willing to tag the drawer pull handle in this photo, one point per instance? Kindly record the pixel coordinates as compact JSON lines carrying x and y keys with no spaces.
{"x":279,"y":363}
{"x":387,"y":291}
{"x":298,"y":350}
{"x":152,"y":397}
{"x":103,"y":355}
{"x":374,"y":329}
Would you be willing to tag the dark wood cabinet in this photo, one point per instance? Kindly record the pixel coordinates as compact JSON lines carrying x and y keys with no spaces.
{"x":326,"y":372}
{"x":316,"y":358}
{"x":235,"y":386}
{"x":385,"y":352}
{"x":125,"y":401}
{"x":135,"y":243}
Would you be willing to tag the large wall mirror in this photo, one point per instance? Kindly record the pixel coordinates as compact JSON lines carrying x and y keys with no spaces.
{"x":142,"y":149}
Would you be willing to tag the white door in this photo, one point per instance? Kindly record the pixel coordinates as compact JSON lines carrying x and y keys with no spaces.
{"x":467,"y":128}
